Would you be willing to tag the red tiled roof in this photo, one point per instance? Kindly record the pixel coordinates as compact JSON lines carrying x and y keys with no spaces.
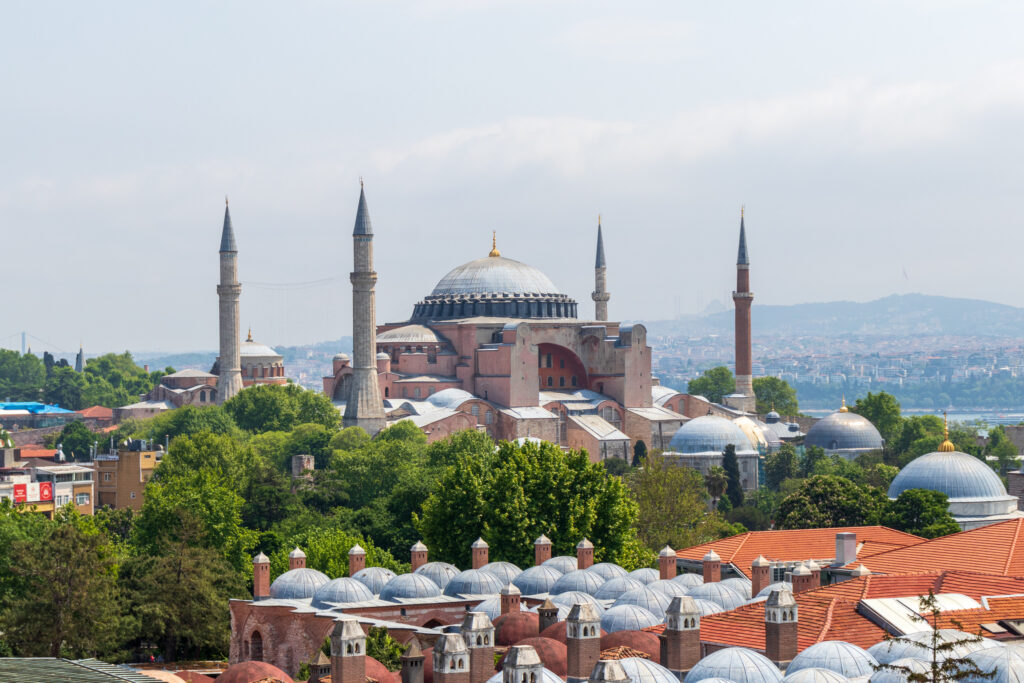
{"x":792,"y":545}
{"x":623,"y":652}
{"x":97,"y":413}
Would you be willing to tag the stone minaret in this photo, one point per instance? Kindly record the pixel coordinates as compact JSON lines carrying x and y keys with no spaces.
{"x":229,"y":372}
{"x":364,"y":407}
{"x":600,"y":294}
{"x":743,"y":298}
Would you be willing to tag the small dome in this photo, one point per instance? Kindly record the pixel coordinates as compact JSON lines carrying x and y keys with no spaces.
{"x":374,"y":578}
{"x":491,"y":607}
{"x":918,"y":666}
{"x":341,"y":356}
{"x":297,"y":584}
{"x":563,"y":563}
{"x":546,"y":676}
{"x":645,"y":575}
{"x":438,"y":572}
{"x":409,"y":586}
{"x":607,"y":570}
{"x":246,"y":672}
{"x":741,"y":585}
{"x":836,"y":655}
{"x":628,"y":618}
{"x":383,"y":356}
{"x":844,"y":431}
{"x":641,"y":641}
{"x":513,"y":627}
{"x":777,"y":586}
{"x":956,"y":474}
{"x":557,"y":631}
{"x":553,"y":654}
{"x":690,"y":580}
{"x":1006,"y":662}
{"x":772,"y":416}
{"x":341,"y":590}
{"x":669,"y":588}
{"x":716,"y":592}
{"x":642,"y":670}
{"x":814,"y":675}
{"x":449,"y":398}
{"x":917,"y":646}
{"x":473,"y":582}
{"x":577,"y":580}
{"x":570,"y":598}
{"x":251,"y":349}
{"x":735,"y":664}
{"x":612,"y":589}
{"x":536,"y":580}
{"x":654,"y":602}
{"x":505,"y":571}
{"x":707,"y":607}
{"x":709,"y":434}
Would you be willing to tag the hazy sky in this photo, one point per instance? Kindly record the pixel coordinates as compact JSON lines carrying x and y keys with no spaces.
{"x":876,"y":145}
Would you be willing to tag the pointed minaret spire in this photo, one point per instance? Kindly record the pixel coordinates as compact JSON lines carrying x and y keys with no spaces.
{"x":363,"y":225}
{"x":80,"y":359}
{"x":227,"y":235}
{"x":229,"y":370}
{"x":743,"y":298}
{"x":600,"y":294}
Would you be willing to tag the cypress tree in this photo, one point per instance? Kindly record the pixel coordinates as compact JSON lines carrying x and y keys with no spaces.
{"x":734,"y":490}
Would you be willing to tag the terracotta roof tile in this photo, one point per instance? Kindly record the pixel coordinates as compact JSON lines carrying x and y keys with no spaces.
{"x":97,"y":412}
{"x":623,"y":652}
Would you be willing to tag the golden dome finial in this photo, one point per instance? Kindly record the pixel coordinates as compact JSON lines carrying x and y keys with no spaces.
{"x":843,"y":408}
{"x":946,"y":446}
{"x":250,"y":335}
{"x":494,"y":244}
{"x":743,"y":208}
{"x":599,"y":220}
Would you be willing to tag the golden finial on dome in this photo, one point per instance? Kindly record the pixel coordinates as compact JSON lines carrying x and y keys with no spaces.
{"x":843,"y":408}
{"x":250,"y":335}
{"x":494,"y":244}
{"x":743,"y":209}
{"x":946,"y":446}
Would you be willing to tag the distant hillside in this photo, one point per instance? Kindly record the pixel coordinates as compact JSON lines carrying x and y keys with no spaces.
{"x":896,"y":315}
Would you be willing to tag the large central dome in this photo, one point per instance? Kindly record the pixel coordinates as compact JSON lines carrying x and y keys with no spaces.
{"x":493,"y":275}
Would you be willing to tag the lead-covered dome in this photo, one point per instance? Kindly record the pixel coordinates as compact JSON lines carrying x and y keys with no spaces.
{"x":409,"y":586}
{"x":709,"y":434}
{"x":578,"y":580}
{"x":612,"y":589}
{"x":438,"y":572}
{"x":627,"y":618}
{"x":505,"y":571}
{"x":845,"y":433}
{"x":343,"y":589}
{"x":956,"y":474}
{"x":917,"y":645}
{"x":297,"y":584}
{"x":836,"y":655}
{"x":735,"y":664}
{"x":374,"y":578}
{"x":473,"y":582}
{"x":642,"y":670}
{"x":536,"y":580}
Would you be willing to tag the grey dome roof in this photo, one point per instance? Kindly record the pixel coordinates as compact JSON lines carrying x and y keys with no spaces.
{"x":409,"y":586}
{"x":956,"y":474}
{"x":251,"y":349}
{"x":505,"y":571}
{"x":561,"y":615}
{"x":491,"y":607}
{"x":654,"y":602}
{"x":689,"y":580}
{"x":536,"y":580}
{"x":546,"y":676}
{"x":449,"y":398}
{"x":645,"y":575}
{"x":918,"y":666}
{"x":607,"y":570}
{"x":707,"y":607}
{"x":578,"y":580}
{"x":438,"y":572}
{"x":563,"y":563}
{"x":843,"y":431}
{"x":716,"y":592}
{"x":709,"y":434}
{"x":473,"y":582}
{"x":627,"y":618}
{"x":778,"y":585}
{"x":410,"y":334}
{"x":571,"y":598}
{"x":772,"y":416}
{"x":669,"y":588}
{"x":374,"y":578}
{"x":642,"y":670}
{"x":735,"y":664}
{"x":494,"y":275}
{"x":1006,"y":662}
{"x":814,"y":675}
{"x":916,"y":645}
{"x":340,"y":590}
{"x":839,"y":656}
{"x":613,"y":588}
{"x":741,"y":585}
{"x":297,"y":584}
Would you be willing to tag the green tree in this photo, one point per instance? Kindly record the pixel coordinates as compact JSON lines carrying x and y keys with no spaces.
{"x":780,"y":466}
{"x":349,"y":439}
{"x":186,"y":421}
{"x":384,"y":648}
{"x":313,"y":439}
{"x":268,"y":498}
{"x":77,"y":440}
{"x":714,"y":385}
{"x":808,"y":462}
{"x":830,"y":501}
{"x":921,"y":512}
{"x":1000,"y":447}
{"x":775,"y":394}
{"x":716,"y":481}
{"x":326,"y":549}
{"x":734,"y":488}
{"x":617,"y":466}
{"x":672,"y":506}
{"x":880,"y":475}
{"x":277,"y":407}
{"x":639,"y":452}
{"x":883,"y":411}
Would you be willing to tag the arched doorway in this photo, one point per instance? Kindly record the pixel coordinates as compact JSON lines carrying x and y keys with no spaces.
{"x":256,"y":647}
{"x":560,"y":369}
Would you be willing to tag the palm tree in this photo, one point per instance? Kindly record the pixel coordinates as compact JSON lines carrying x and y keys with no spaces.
{"x":716,"y":481}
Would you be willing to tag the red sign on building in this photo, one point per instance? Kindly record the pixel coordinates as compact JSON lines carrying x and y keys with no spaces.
{"x":20,"y":494}
{"x":45,"y":490}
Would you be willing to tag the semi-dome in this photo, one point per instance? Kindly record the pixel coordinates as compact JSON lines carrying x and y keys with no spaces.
{"x":578,"y":580}
{"x":777,"y":586}
{"x":956,"y":474}
{"x":669,"y":588}
{"x":612,"y":589}
{"x":536,"y":580}
{"x":607,"y":570}
{"x":917,"y":666}
{"x":709,"y":434}
{"x":736,"y":664}
{"x":473,"y":582}
{"x":654,"y":602}
{"x":409,"y":334}
{"x":642,"y":670}
{"x":297,"y":584}
{"x":627,"y":618}
{"x":645,"y":575}
{"x":563,"y":563}
{"x":917,"y":645}
{"x":409,"y":586}
{"x":570,"y":598}
{"x":340,"y":590}
{"x":814,"y":675}
{"x":741,"y":585}
{"x":374,"y":578}
{"x":836,"y":655}
{"x":689,"y":580}
{"x":449,"y":398}
{"x":438,"y":572}
{"x":1006,"y":662}
{"x":716,"y":592}
{"x":505,"y":571}
{"x":845,"y":433}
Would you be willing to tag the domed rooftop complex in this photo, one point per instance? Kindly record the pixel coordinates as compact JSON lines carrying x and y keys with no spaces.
{"x":536,"y":580}
{"x":297,"y":584}
{"x":505,"y":571}
{"x":627,"y":618}
{"x":917,"y":666}
{"x":1006,"y":662}
{"x":709,"y":434}
{"x":571,"y":598}
{"x":578,"y":580}
{"x":669,"y":588}
{"x":374,"y":578}
{"x":689,"y":580}
{"x":607,"y":570}
{"x":344,"y":589}
{"x":737,"y":664}
{"x":843,"y":658}
{"x":642,"y":670}
{"x":644,"y":575}
{"x":917,"y":646}
{"x":552,"y":654}
{"x":653,"y":601}
{"x":614,"y":588}
{"x":718,"y":593}
{"x":845,"y":433}
{"x":438,"y":572}
{"x":473,"y":582}
{"x":563,"y":563}
{"x":813,"y":675}
{"x":409,"y":586}
{"x":246,"y":672}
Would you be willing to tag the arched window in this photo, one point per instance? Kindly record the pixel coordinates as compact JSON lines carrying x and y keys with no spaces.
{"x":475,"y":410}
{"x":574,"y":380}
{"x":561,"y":381}
{"x":386,"y":392}
{"x":551,"y":381}
{"x":489,"y":417}
{"x":479,"y":640}
{"x":256,"y":647}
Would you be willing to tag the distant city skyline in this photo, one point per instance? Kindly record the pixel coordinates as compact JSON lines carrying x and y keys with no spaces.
{"x":875,"y":148}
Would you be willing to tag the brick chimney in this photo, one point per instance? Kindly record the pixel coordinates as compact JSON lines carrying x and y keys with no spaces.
{"x":548,"y":613}
{"x":348,"y":652}
{"x":780,"y":627}
{"x":296,"y":559}
{"x":479,"y":551}
{"x":801,"y":578}
{"x":260,"y":577}
{"x":541,"y":550}
{"x":418,"y":554}
{"x":509,"y":598}
{"x":451,"y":659}
{"x":680,"y":642}
{"x":584,"y":554}
{"x":667,"y":563}
{"x":356,"y":559}
{"x":583,"y":642}
{"x":760,"y":575}
{"x":815,"y":569}
{"x":412,"y":663}
{"x":522,"y":664}
{"x":846,"y":548}
{"x":478,"y":633}
{"x":712,"y":566}
{"x":608,"y":671}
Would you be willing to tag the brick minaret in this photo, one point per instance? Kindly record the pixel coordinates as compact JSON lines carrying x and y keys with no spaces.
{"x":364,"y":407}
{"x":548,"y":613}
{"x":600,"y":294}
{"x":712,"y":566}
{"x":348,"y":652}
{"x":583,"y":642}
{"x":541,"y":550}
{"x":522,"y":664}
{"x":296,"y":559}
{"x":667,"y":563}
{"x":479,"y":550}
{"x":760,"y":575}
{"x":608,"y":671}
{"x":584,"y":554}
{"x":260,"y":577}
{"x":356,"y":559}
{"x":743,"y":298}
{"x":680,"y":642}
{"x":418,"y":555}
{"x":478,"y":633}
{"x":412,"y":663}
{"x":510,"y":598}
{"x":451,"y":659}
{"x":780,"y":627}
{"x":229,"y":363}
